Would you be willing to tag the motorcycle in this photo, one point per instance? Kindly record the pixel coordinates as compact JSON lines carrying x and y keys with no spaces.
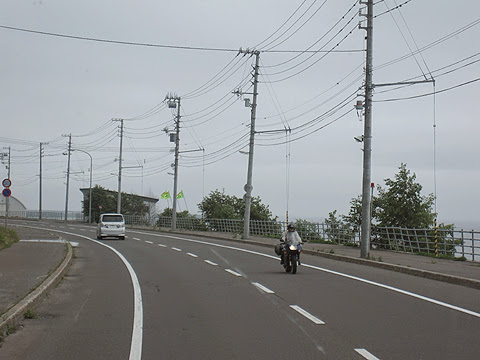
{"x":290,"y":255}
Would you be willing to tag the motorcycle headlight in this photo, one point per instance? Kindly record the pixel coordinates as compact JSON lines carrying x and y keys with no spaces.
{"x":293,"y":247}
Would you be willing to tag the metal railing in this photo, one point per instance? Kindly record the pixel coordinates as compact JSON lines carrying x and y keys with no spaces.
{"x":47,"y":215}
{"x":454,"y":243}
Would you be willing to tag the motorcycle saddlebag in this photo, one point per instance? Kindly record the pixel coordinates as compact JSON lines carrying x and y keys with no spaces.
{"x":278,"y":249}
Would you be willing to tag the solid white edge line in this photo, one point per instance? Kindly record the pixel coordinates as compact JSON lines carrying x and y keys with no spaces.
{"x":210,"y":262}
{"x":366,"y":354}
{"x":433,"y":301}
{"x":192,"y":255}
{"x":233,"y":272}
{"x":263,"y":288}
{"x":137,"y":332}
{"x":307,"y":315}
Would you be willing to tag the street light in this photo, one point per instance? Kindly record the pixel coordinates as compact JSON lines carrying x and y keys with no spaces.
{"x":90,"y":188}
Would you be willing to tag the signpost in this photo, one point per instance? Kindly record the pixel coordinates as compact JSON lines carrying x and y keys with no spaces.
{"x":6,"y":193}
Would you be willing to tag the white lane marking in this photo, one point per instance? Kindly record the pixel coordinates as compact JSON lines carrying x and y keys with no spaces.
{"x":366,"y":354}
{"x":73,"y":243}
{"x":210,"y":262}
{"x":307,"y":315}
{"x":263,"y":288}
{"x":176,"y":249}
{"x":192,"y":255}
{"x":162,"y":245}
{"x":44,"y":240}
{"x":137,"y":333}
{"x":233,"y":272}
{"x":149,"y":242}
{"x":137,"y":239}
{"x":404,"y":292}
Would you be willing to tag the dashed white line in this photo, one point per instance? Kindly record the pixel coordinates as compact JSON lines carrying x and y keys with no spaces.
{"x":233,"y":272}
{"x":210,"y":262}
{"x":192,"y":255}
{"x":137,"y":239}
{"x":176,"y":249}
{"x":162,"y":245}
{"x":149,"y":242}
{"x":307,"y":315}
{"x":263,"y":288}
{"x":366,"y":354}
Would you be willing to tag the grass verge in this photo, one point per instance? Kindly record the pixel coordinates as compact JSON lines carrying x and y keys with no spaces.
{"x":7,"y":238}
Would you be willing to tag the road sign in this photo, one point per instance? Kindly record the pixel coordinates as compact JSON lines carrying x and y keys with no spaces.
{"x":7,"y":192}
{"x":6,"y":183}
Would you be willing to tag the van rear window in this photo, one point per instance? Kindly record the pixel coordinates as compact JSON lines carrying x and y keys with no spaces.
{"x":112,"y":218}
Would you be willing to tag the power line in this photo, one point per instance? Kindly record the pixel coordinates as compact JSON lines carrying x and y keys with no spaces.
{"x":120,"y":42}
{"x":431,"y":93}
{"x":131,"y":43}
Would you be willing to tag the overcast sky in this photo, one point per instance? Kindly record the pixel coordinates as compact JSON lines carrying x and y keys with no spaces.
{"x":54,"y":86}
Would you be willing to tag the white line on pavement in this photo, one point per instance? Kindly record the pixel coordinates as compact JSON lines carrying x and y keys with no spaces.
{"x":307,"y":315}
{"x":137,"y":239}
{"x":366,"y":354}
{"x":210,"y":262}
{"x":149,"y":242}
{"x":192,"y":255}
{"x":263,"y":288}
{"x":73,"y":243}
{"x":137,"y":332}
{"x":233,"y":272}
{"x":162,"y":245}
{"x":176,"y":249}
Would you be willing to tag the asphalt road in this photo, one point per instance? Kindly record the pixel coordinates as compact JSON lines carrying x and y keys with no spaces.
{"x":212,"y":299}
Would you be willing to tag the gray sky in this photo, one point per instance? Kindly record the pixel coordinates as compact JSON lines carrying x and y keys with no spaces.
{"x":52,"y":86}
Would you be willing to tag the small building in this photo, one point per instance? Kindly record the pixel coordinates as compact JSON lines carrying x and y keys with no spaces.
{"x":15,"y":207}
{"x":149,"y":201}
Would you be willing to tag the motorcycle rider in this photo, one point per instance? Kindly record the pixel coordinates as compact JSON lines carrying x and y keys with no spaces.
{"x":291,"y":237}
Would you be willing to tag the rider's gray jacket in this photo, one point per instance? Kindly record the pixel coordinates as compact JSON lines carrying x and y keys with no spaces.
{"x":291,"y":238}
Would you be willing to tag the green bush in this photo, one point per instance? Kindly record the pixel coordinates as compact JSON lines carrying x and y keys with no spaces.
{"x":7,"y":238}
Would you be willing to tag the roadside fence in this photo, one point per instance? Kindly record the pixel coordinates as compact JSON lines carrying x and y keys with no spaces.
{"x":454,"y":243}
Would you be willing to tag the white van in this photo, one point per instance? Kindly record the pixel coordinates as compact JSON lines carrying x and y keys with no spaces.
{"x":111,"y":225}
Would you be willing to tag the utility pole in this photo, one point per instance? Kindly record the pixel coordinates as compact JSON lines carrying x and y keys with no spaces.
{"x":119,"y":195}
{"x":90,"y":187}
{"x":40,"y":186}
{"x":68,"y":175}
{"x":367,"y":133}
{"x":248,"y":187}
{"x":173,"y":101}
{"x":7,"y":199}
{"x":367,"y":185}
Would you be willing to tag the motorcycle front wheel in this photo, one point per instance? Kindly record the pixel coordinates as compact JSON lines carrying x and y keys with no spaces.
{"x":294,"y":262}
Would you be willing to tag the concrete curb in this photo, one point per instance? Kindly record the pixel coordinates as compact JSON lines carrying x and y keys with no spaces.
{"x":452,"y":279}
{"x":12,"y":318}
